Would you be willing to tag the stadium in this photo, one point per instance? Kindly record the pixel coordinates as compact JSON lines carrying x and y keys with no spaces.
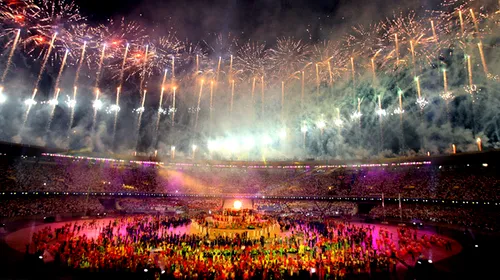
{"x":287,"y":139}
{"x":449,"y":202}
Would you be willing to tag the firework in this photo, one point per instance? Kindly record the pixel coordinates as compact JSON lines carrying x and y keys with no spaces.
{"x":53,"y":103}
{"x":80,"y":63}
{"x":42,"y":18}
{"x":212,"y":100}
{"x":120,"y":51}
{"x":252,"y":59}
{"x":447,"y":96}
{"x":164,"y":50}
{"x":158,"y":116}
{"x":44,"y":63}
{"x":72,"y":104}
{"x":122,"y":69}
{"x":321,"y":124}
{"x":221,"y":45}
{"x":116,"y":109}
{"x":29,"y":103}
{"x":302,"y":88}
{"x":262,"y":94}
{"x":381,"y":112}
{"x":63,"y":63}
{"x":483,"y":60}
{"x":232,"y":98}
{"x":58,"y":90}
{"x":173,"y":109}
{"x":97,"y":105}
{"x":99,"y":67}
{"x":199,"y":102}
{"x":282,"y":101}
{"x":119,"y":33}
{"x":411,"y":33}
{"x":353,"y":72}
{"x":11,"y":53}
{"x":188,"y":53}
{"x":421,"y":103}
{"x":140,"y":111}
{"x":288,"y":56}
{"x":366,"y":41}
{"x":161,"y":52}
{"x":3,"y":98}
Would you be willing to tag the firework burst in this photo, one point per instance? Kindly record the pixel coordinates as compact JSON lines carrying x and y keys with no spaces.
{"x":221,"y":44}
{"x":252,"y":59}
{"x":331,"y":60}
{"x":288,"y":56}
{"x":39,"y":20}
{"x":366,"y":41}
{"x":193,"y":58}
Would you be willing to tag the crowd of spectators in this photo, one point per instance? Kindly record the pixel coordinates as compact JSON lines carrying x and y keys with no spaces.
{"x":70,"y":175}
{"x":73,"y":175}
{"x":66,"y":175}
{"x":155,"y":204}
{"x":29,"y":206}
{"x":430,"y":182}
{"x":306,"y":207}
{"x":485,"y":219}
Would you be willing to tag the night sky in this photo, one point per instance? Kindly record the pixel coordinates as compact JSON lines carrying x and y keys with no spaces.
{"x":262,"y":20}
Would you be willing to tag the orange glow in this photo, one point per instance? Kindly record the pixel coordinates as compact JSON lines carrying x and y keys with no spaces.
{"x":39,"y":39}
{"x":19,"y":18}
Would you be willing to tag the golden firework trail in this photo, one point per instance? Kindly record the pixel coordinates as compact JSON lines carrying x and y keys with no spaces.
{"x":117,"y":104}
{"x":483,"y":60}
{"x":99,"y":67}
{"x":199,"y":103}
{"x":122,"y":70}
{"x":282,"y":101}
{"x":302,"y":89}
{"x":173,"y":105}
{"x":232,"y":98}
{"x":80,"y":63}
{"x":460,"y":16}
{"x":44,"y":63}
{"x":11,"y":53}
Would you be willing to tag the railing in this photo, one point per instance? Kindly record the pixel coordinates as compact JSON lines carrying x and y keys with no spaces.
{"x":370,"y":199}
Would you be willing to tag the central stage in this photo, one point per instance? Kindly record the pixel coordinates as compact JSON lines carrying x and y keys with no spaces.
{"x":18,"y":239}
